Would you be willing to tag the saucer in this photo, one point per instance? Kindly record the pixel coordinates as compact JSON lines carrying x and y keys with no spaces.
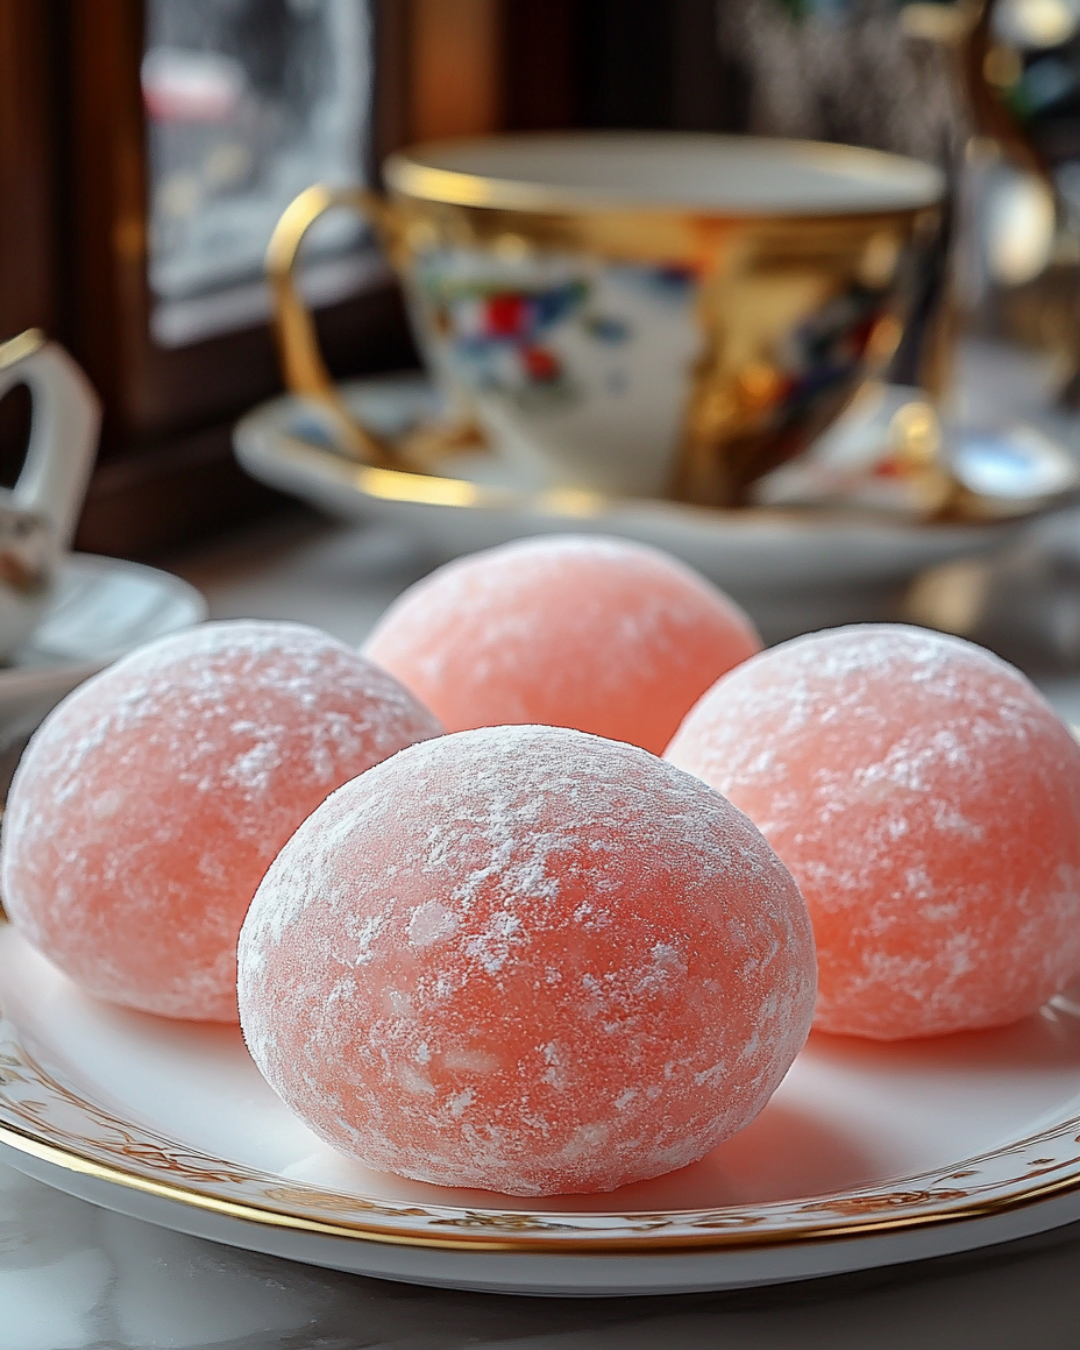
{"x":471,"y":501}
{"x":103,"y":607}
{"x":868,"y":1155}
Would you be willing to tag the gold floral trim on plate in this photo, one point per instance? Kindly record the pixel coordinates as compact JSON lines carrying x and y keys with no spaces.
{"x":43,"y":1114}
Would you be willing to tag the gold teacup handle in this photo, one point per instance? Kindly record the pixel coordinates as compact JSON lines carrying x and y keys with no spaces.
{"x":298,"y":345}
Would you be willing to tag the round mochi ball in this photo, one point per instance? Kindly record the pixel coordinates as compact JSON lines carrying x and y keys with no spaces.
{"x":597,"y":634}
{"x":927,"y":801}
{"x":152,"y":800}
{"x":528,"y":960}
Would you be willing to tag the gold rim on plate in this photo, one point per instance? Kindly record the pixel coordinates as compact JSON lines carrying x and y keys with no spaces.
{"x":47,"y":1118}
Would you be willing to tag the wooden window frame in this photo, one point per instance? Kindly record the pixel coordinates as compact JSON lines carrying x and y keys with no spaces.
{"x":73,"y":235}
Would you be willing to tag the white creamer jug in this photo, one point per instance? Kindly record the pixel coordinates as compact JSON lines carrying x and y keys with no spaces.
{"x":38,"y":516}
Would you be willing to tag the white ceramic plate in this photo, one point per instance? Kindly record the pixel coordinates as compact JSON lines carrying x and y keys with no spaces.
{"x":103,"y":607}
{"x":867,"y":1155}
{"x":476,"y":501}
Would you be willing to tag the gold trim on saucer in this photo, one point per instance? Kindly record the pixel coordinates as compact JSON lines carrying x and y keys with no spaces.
{"x":427,"y":489}
{"x":411,"y":487}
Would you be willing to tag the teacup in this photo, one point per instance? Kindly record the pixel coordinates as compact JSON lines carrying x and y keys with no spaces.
{"x":646,"y":314}
{"x":38,"y":516}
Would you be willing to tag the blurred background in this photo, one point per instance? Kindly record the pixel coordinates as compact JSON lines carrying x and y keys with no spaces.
{"x":147,"y":148}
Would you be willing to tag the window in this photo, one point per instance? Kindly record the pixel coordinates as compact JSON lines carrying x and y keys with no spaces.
{"x":247,"y":103}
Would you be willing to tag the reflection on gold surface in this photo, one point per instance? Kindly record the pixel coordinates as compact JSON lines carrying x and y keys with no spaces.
{"x":425,"y":489}
{"x":393,"y":485}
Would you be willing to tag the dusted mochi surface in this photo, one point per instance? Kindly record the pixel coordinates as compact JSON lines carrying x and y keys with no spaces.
{"x":528,"y":960}
{"x":151,"y":801}
{"x":605,"y":636}
{"x":927,"y":801}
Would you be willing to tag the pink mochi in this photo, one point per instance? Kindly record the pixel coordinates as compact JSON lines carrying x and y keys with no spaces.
{"x":594,"y":633}
{"x":529,"y":960}
{"x":152,"y":800}
{"x":927,"y":800}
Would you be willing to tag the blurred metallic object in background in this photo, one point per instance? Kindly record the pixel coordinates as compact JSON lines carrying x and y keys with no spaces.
{"x":1024,"y":72}
{"x":872,"y":73}
{"x":1017,"y":221}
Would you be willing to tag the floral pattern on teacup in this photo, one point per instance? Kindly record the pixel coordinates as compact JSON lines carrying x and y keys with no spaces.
{"x":505,"y":326}
{"x":582,"y":371}
{"x":571,"y":350}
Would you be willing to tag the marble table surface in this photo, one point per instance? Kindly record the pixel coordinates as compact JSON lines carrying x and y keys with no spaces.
{"x":73,"y":1276}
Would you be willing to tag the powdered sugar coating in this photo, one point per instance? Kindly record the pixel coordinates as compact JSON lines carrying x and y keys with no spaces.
{"x":607,"y":636}
{"x":151,"y":801}
{"x":529,"y":960}
{"x":927,"y":801}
